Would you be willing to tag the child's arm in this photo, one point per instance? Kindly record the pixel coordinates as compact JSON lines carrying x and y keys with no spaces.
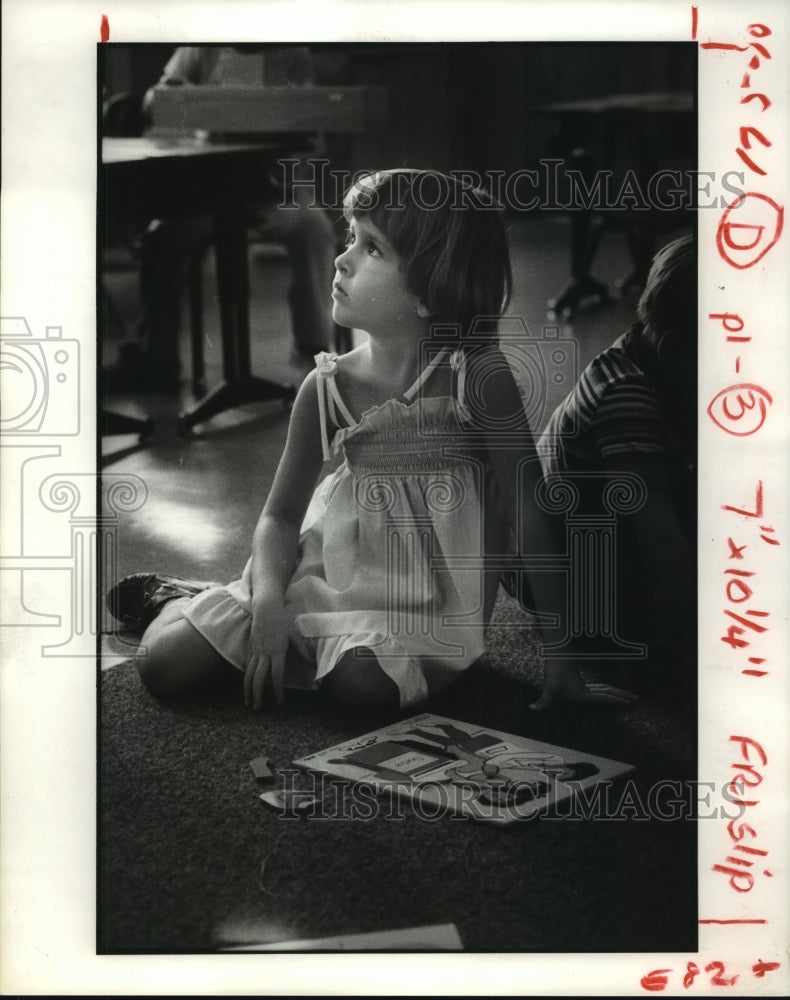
{"x":515,"y":462}
{"x":274,"y":545}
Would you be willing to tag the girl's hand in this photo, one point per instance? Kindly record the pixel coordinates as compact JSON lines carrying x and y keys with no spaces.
{"x":564,"y":683}
{"x":268,"y":645}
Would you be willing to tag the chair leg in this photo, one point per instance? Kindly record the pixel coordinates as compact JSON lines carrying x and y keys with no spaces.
{"x":196,"y":262}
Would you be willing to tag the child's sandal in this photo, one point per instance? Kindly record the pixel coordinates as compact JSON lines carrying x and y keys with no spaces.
{"x":137,"y":599}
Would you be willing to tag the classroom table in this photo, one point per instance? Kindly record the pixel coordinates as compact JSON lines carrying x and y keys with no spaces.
{"x":599,"y":123}
{"x":167,"y":177}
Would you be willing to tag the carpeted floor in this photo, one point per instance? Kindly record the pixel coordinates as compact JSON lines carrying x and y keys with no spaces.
{"x":191,"y":860}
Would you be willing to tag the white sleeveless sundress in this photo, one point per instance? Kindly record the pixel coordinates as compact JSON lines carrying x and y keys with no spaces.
{"x":392,"y":548}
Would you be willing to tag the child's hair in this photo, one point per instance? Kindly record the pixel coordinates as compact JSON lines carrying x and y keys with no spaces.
{"x":669,"y":302}
{"x":450,"y":237}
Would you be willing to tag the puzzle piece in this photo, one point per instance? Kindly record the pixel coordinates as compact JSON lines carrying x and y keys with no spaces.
{"x":260,"y":768}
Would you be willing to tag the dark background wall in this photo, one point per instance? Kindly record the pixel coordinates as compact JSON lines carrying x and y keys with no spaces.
{"x":463,"y":106}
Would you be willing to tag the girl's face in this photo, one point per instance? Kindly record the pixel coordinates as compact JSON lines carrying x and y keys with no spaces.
{"x":370,"y":291}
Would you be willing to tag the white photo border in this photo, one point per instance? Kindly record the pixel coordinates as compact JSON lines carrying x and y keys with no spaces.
{"x":48,"y":764}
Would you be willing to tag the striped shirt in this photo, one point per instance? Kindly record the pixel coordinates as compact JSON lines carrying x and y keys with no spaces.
{"x":617,"y":418}
{"x":612,"y":417}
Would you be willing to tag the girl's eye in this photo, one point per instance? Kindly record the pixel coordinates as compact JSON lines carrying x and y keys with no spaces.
{"x":370,"y":247}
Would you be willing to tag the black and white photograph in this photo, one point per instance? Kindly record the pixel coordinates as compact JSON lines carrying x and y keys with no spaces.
{"x":486,"y":310}
{"x":410,"y":508}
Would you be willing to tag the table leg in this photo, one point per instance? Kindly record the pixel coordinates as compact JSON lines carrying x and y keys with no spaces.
{"x":238,"y":386}
{"x":196,"y":262}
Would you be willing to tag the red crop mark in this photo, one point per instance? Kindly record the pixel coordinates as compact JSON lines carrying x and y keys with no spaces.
{"x":756,"y":920}
{"x":104,"y":31}
{"x":694,"y":13}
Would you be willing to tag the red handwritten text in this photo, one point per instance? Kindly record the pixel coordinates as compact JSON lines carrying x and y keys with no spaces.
{"x":760,"y":223}
{"x":740,"y":582}
{"x":748,"y":777}
{"x":760,"y":53}
{"x":740,"y":409}
{"x":714,"y":974}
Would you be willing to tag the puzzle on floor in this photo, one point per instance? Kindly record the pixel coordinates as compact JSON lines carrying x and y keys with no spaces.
{"x":443,"y":765}
{"x":436,"y":937}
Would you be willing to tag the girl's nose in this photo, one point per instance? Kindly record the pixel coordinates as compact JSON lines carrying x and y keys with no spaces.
{"x":342,"y":259}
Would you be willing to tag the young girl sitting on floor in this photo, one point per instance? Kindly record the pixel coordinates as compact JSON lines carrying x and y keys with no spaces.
{"x":379,"y":577}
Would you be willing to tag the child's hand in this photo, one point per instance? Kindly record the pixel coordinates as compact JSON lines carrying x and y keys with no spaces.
{"x":268,"y":646}
{"x":564,"y":683}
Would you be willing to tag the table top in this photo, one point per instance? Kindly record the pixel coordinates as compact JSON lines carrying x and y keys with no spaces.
{"x":159,"y":176}
{"x":135,"y":150}
{"x":656,"y":102}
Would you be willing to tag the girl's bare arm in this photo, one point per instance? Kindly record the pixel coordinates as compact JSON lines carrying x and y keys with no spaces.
{"x":274,"y":545}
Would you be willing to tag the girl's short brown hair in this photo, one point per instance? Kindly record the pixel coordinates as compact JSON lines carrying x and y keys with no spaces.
{"x":451,"y":239}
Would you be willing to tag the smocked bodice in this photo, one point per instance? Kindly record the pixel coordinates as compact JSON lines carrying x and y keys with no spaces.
{"x":408,"y":435}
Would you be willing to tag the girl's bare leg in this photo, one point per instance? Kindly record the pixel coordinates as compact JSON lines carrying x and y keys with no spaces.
{"x":357,"y":681}
{"x":178,"y":659}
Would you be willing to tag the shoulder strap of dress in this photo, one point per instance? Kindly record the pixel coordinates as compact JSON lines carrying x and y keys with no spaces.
{"x":458,"y":364}
{"x":432,"y":365}
{"x":329,"y":399}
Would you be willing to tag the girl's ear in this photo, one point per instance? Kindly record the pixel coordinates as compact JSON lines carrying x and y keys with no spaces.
{"x":423,"y":311}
